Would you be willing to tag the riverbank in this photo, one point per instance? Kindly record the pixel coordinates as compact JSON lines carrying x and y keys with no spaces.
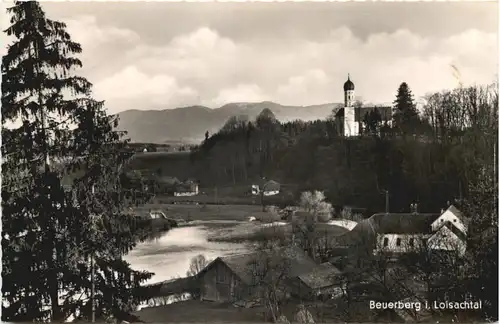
{"x":190,"y":212}
{"x":258,"y":232}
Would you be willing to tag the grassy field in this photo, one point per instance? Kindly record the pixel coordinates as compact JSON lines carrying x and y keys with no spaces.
{"x":206,"y":212}
{"x":256,"y":232}
{"x":233,"y":195}
{"x":193,"y":311}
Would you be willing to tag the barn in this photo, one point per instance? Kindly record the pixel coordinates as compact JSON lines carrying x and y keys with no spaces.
{"x":231,"y":279}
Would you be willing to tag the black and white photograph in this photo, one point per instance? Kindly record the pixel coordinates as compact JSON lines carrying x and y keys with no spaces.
{"x":249,"y":162}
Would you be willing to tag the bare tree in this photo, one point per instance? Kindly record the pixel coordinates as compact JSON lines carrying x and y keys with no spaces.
{"x":347,"y":214}
{"x":452,"y":112}
{"x":269,"y":271}
{"x":197,"y":264}
{"x":422,"y":268}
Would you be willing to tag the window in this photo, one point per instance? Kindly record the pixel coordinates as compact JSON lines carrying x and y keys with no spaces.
{"x":386,"y":241}
{"x":398,"y":241}
{"x":412,"y":242}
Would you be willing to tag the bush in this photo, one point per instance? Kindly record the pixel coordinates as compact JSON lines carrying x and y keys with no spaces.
{"x":268,"y":217}
{"x":347,"y":213}
{"x":324,"y":217}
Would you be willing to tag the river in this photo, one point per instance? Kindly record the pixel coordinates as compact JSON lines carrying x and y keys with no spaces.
{"x":169,"y":255}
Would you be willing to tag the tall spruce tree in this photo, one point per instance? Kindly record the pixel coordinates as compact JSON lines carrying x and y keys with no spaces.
{"x":405,"y":111}
{"x":50,"y":233}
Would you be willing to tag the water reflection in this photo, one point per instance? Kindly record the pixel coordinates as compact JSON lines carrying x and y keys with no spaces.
{"x":168,"y":255}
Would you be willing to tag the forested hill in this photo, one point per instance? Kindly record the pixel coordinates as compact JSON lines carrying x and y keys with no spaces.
{"x":429,"y":158}
{"x":189,"y":124}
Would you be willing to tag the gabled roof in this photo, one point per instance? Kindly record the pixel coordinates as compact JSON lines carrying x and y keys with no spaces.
{"x":458,"y":213}
{"x":271,"y":185}
{"x":186,"y":187}
{"x":403,"y":223}
{"x":168,"y":180}
{"x":240,"y":264}
{"x":320,"y":277}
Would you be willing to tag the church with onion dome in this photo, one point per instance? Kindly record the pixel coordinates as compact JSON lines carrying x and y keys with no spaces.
{"x":352,"y":118}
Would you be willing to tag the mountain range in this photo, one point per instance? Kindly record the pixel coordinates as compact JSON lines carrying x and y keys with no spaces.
{"x":189,"y":124}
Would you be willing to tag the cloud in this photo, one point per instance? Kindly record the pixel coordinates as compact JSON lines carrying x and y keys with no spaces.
{"x":85,"y":29}
{"x":206,"y":67}
{"x":298,"y":71}
{"x":313,"y":84}
{"x":240,"y":93}
{"x":131,"y":85}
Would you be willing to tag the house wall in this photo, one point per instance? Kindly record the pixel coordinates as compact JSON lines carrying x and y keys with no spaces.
{"x":404,"y":245}
{"x":446,"y":240}
{"x":185,"y":194}
{"x":448,"y":216}
{"x":220,"y":284}
{"x":299,"y":289}
{"x":271,"y":193}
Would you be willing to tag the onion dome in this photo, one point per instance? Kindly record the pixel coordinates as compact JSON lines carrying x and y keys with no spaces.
{"x":348,"y":85}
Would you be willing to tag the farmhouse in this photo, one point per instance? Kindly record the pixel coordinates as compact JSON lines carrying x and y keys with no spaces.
{"x":188,"y":188}
{"x":239,"y":277}
{"x":269,"y":188}
{"x":400,"y":233}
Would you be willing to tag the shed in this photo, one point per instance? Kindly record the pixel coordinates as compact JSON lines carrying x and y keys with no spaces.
{"x":271,"y":185}
{"x":232,"y":278}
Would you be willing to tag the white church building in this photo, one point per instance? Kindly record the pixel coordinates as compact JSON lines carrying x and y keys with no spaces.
{"x":350,"y":118}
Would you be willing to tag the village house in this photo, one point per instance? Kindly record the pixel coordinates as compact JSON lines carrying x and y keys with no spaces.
{"x":269,"y":188}
{"x":232,"y":278}
{"x":400,"y":233}
{"x":186,"y":189}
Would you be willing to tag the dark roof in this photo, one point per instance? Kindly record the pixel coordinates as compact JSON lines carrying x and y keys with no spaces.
{"x":168,"y":180}
{"x":348,"y":85}
{"x":400,"y":223}
{"x":270,"y":185}
{"x":458,"y":213}
{"x":186,"y":187}
{"x":360,"y":112}
{"x":239,"y":264}
{"x":320,"y":277}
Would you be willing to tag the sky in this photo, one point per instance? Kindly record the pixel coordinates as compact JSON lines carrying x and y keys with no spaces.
{"x":163,"y":55}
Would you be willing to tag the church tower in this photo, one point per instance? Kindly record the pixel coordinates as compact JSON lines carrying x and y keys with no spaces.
{"x":350,"y":124}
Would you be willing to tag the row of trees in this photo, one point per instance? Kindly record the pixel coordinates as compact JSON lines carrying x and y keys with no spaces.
{"x":61,"y":249}
{"x":427,"y":157}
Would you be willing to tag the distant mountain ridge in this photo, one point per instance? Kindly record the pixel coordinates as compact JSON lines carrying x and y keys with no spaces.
{"x":189,"y":124}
